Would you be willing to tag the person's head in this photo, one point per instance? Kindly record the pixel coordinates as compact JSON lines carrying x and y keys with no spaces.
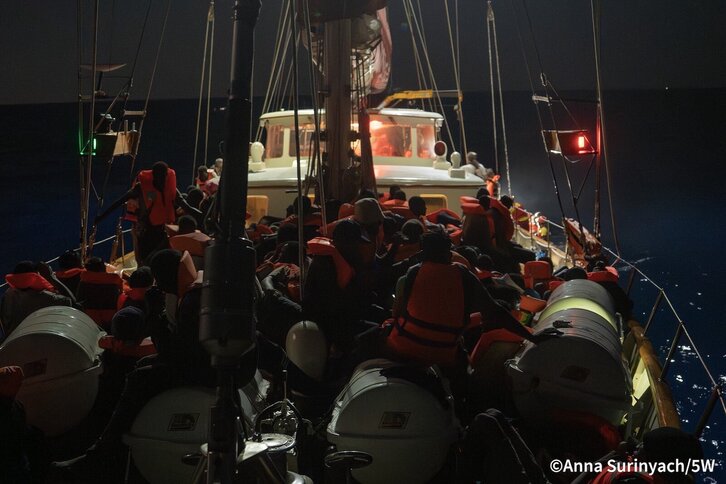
{"x":469,"y":253}
{"x":141,"y":277}
{"x":392,"y":190}
{"x":472,"y":158}
{"x":547,"y":259}
{"x":128,"y":324}
{"x":365,"y":193}
{"x":506,"y":201}
{"x":399,"y":195}
{"x":202,"y":173}
{"x":417,"y":205}
{"x":369,"y":214}
{"x":413,"y":230}
{"x":347,"y":237}
{"x":159,"y":171}
{"x":484,"y":201}
{"x":307,"y":206}
{"x":195,"y":197}
{"x":69,"y":260}
{"x":575,"y":273}
{"x":165,"y":268}
{"x":25,"y":267}
{"x":218,"y":166}
{"x":187,"y":224}
{"x":390,"y":227}
{"x":436,"y":247}
{"x":484,"y":262}
{"x":95,"y":264}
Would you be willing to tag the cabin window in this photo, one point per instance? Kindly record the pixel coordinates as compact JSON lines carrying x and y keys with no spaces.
{"x":389,"y":139}
{"x":275,"y":141}
{"x":306,"y":136}
{"x":425,"y":138}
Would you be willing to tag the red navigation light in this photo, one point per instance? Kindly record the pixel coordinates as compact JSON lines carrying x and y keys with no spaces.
{"x":581,"y":141}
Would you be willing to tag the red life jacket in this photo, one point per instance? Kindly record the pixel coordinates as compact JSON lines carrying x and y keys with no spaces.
{"x":394,"y":203}
{"x":160,"y":207}
{"x":433,"y":216}
{"x":69,"y":273}
{"x":346,"y":210}
{"x":536,"y":271}
{"x":433,"y":319}
{"x":321,"y":246}
{"x":613,"y":477}
{"x":520,"y":217}
{"x":401,"y":210}
{"x":11,"y":379}
{"x":314,"y":219}
{"x":195,"y":243}
{"x":99,"y":292}
{"x":490,"y":338}
{"x":133,"y":294}
{"x":476,"y":210}
{"x":118,"y":347}
{"x":293,"y":279}
{"x":508,"y":224}
{"x":610,"y":274}
{"x":29,"y":280}
{"x":466,"y":199}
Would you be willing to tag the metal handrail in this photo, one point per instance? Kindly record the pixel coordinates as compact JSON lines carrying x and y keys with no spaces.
{"x":95,"y":243}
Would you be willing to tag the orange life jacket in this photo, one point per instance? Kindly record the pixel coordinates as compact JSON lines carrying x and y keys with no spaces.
{"x":195,"y":243}
{"x":99,"y":292}
{"x":29,"y":280}
{"x":610,"y":274}
{"x":508,"y":224}
{"x":433,"y":216}
{"x":346,"y":210}
{"x":401,"y":210}
{"x":69,"y":273}
{"x":11,"y":379}
{"x":160,"y":207}
{"x":608,"y":477}
{"x":520,"y":217}
{"x":476,"y":210}
{"x":394,"y":203}
{"x":322,"y":246}
{"x":118,"y":347}
{"x":293,"y":281}
{"x":314,"y":219}
{"x":407,"y":250}
{"x":536,"y":271}
{"x":489,"y":338}
{"x":132,"y":294}
{"x":433,"y":319}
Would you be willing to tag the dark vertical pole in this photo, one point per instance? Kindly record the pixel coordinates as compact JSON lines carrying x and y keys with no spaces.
{"x":226,"y":317}
{"x":337,"y":103}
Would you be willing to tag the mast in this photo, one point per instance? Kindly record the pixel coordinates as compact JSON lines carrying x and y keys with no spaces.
{"x":337,"y":102}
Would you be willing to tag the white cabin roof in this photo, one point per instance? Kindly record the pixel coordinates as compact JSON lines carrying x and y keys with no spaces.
{"x":408,"y":113}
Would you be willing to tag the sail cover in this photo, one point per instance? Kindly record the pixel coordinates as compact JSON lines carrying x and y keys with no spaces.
{"x":381,"y":57}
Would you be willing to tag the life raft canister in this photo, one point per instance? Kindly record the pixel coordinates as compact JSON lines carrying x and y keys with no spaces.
{"x":324,"y":247}
{"x":427,"y":329}
{"x":159,"y":206}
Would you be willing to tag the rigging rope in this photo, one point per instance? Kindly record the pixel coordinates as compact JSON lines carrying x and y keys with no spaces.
{"x":601,"y":114}
{"x":209,"y":88}
{"x":454,"y":54}
{"x":210,"y":15}
{"x":501,"y":105}
{"x":296,"y":115}
{"x":495,"y":138}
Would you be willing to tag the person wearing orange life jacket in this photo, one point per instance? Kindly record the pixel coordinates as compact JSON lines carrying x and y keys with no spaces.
{"x":190,"y":239}
{"x":433,"y":313}
{"x":139,"y":282}
{"x":32,"y":287}
{"x":312,"y":220}
{"x":181,"y":361}
{"x":98,"y":292}
{"x":336,"y":294}
{"x":69,"y":270}
{"x":155,"y":194}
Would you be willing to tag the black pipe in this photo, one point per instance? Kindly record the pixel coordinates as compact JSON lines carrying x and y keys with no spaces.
{"x":226,"y":317}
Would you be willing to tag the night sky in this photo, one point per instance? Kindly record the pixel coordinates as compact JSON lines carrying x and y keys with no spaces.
{"x":646,"y":45}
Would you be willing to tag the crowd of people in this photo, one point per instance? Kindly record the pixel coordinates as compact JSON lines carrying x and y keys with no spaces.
{"x":384,"y":277}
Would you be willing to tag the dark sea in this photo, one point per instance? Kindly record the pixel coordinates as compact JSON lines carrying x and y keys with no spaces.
{"x":667,"y":157}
